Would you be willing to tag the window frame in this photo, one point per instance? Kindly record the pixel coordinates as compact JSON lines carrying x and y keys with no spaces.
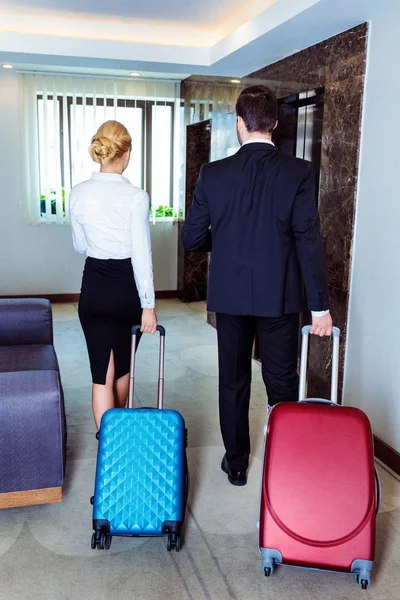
{"x":147,"y":130}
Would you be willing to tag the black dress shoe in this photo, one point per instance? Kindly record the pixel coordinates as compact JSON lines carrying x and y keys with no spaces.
{"x":238,"y":478}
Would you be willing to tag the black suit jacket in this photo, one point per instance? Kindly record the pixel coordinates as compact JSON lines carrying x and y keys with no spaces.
{"x":265,"y":233}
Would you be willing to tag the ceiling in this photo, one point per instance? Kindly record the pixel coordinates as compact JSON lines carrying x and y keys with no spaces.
{"x":171,"y":37}
{"x":190,"y":13}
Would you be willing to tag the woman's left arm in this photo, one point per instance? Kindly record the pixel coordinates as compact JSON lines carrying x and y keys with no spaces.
{"x":78,"y":234}
{"x":141,"y":252}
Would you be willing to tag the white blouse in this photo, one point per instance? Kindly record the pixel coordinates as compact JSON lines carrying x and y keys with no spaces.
{"x":110,"y":219}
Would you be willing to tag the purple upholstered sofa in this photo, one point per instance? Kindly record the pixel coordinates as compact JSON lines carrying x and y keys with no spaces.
{"x":32,"y":415}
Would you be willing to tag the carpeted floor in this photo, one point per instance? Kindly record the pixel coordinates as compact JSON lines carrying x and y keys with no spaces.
{"x":45,"y":551}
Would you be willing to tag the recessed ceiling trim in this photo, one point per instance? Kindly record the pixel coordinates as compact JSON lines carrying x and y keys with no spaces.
{"x":89,"y":75}
{"x":81,"y":47}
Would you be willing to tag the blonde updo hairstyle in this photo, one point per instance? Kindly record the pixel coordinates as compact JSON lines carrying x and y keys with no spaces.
{"x":110,"y":142}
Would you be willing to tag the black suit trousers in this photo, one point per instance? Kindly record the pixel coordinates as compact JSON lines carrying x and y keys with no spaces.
{"x":278,"y":345}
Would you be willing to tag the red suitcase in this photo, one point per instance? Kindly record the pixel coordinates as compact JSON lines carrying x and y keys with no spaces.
{"x":318,"y":492}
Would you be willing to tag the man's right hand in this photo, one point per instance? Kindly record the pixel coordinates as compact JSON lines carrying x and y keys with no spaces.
{"x":322,"y":326}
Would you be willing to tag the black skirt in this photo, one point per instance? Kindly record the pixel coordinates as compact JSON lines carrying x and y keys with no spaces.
{"x":109,"y":306}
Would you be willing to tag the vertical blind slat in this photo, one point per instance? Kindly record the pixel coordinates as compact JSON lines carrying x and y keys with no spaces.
{"x":44,"y":172}
{"x":176,"y":155}
{"x":30,"y":88}
{"x":67,"y":164}
{"x":58,"y":150}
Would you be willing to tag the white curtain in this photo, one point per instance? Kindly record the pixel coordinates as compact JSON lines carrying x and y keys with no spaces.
{"x":61,"y":113}
{"x":204,"y":100}
{"x":224,"y":140}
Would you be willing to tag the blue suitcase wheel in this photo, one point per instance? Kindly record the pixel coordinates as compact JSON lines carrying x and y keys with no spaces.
{"x":93,"y":542}
{"x":364,"y":584}
{"x":105,"y":542}
{"x":174,"y":541}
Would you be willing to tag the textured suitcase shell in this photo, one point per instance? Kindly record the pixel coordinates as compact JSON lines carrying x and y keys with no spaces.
{"x":318,"y":488}
{"x":140,"y":471}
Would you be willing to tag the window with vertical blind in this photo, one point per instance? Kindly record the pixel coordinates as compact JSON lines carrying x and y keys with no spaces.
{"x":62,"y":114}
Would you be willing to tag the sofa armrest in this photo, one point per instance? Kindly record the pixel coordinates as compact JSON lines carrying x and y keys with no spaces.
{"x":33,"y":431}
{"x":25,"y":321}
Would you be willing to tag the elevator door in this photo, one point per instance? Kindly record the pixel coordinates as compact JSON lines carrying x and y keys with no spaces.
{"x":299,"y":131}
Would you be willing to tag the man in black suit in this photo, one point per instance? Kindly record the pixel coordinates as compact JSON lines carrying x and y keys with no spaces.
{"x":265,"y":235}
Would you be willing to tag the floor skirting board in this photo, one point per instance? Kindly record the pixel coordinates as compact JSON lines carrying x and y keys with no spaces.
{"x":388,"y":455}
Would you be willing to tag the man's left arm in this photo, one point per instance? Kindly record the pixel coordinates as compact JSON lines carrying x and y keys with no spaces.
{"x":196,"y":234}
{"x":306,"y":227}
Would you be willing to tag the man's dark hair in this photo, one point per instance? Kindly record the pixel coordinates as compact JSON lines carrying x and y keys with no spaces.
{"x":258,"y":107}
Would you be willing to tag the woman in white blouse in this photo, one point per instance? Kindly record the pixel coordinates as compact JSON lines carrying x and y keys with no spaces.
{"x":110,"y":224}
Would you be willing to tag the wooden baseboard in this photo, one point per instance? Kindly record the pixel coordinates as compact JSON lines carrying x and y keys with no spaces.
{"x":388,"y":455}
{"x":68,"y":298}
{"x":165,"y":294}
{"x":54,"y":298}
{"x":31,"y":497}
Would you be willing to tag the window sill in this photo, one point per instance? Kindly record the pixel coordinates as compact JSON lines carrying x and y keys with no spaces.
{"x":54,"y":221}
{"x":163,"y":220}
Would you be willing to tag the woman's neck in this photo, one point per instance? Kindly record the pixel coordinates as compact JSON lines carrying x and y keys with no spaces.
{"x":116,"y":168}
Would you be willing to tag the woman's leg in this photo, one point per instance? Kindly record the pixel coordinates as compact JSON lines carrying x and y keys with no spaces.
{"x":121,"y":385}
{"x":103,"y":395}
{"x":121,"y":389}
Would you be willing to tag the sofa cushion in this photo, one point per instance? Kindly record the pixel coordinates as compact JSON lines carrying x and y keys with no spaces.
{"x":31,"y":357}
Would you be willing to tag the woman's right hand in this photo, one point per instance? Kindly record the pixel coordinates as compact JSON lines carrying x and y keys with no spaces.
{"x":149,"y":321}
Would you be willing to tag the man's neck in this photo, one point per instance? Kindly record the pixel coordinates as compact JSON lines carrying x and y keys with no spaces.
{"x":258,"y":135}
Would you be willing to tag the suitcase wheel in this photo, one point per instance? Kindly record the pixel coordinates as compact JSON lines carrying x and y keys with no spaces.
{"x":92,"y":500}
{"x":269,"y":567}
{"x":363,"y":582}
{"x":105,"y":542}
{"x":174,"y":541}
{"x":101,"y":541}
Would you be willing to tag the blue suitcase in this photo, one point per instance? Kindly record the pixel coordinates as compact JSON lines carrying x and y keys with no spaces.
{"x":142,"y":477}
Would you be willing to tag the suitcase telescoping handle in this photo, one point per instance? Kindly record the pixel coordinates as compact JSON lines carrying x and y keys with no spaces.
{"x":135,"y":332}
{"x":304,"y":360}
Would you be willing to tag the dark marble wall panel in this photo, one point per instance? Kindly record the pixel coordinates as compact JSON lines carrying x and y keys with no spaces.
{"x":338,"y":64}
{"x":193,"y":266}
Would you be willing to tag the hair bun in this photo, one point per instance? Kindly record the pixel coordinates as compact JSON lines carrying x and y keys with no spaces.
{"x":110,"y":142}
{"x":103,"y":150}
